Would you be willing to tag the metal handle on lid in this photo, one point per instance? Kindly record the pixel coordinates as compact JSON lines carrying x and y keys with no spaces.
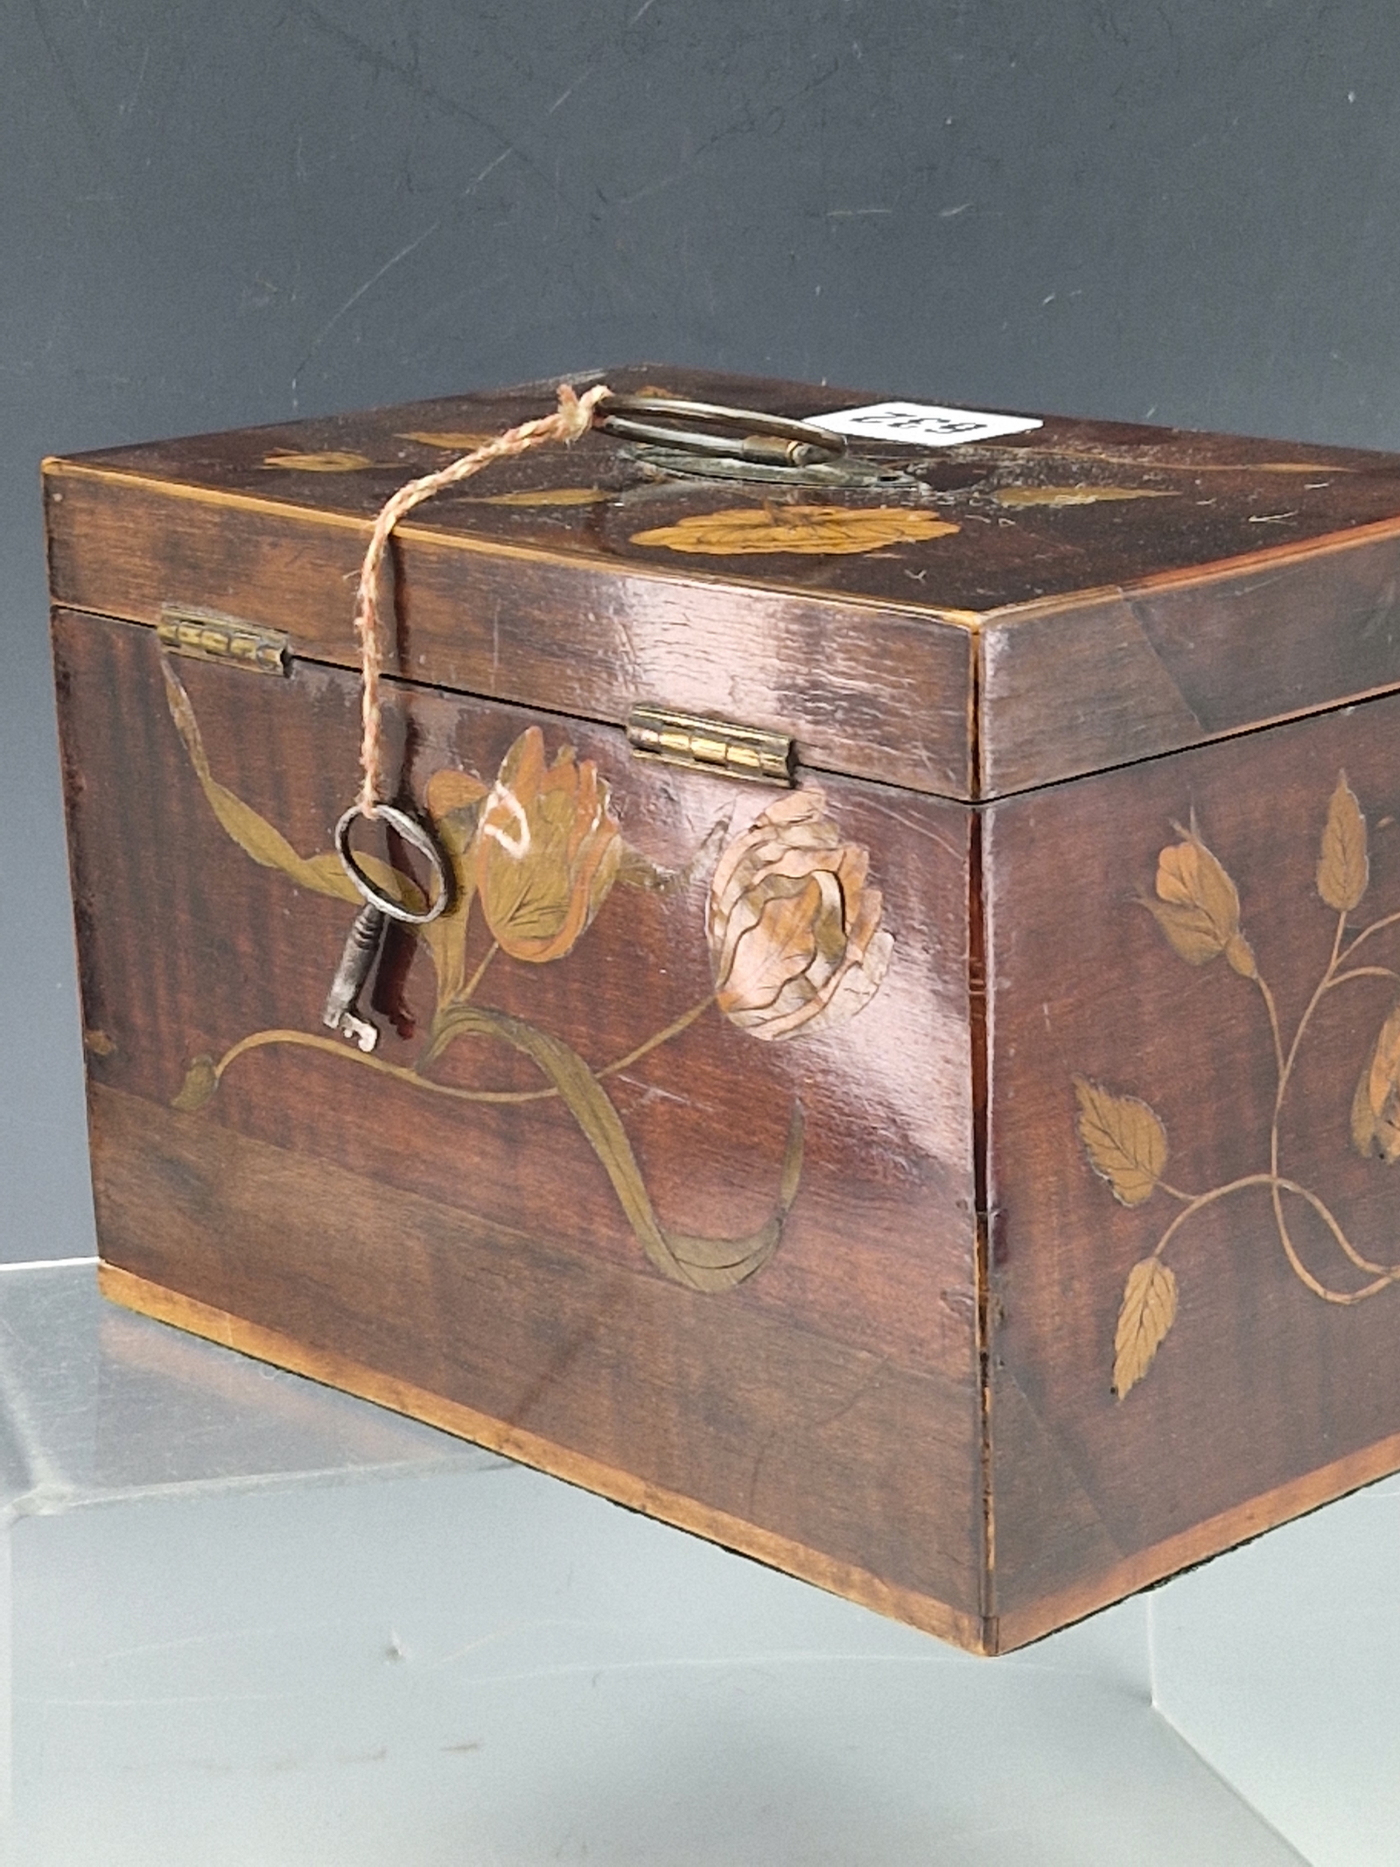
{"x":764,"y":439}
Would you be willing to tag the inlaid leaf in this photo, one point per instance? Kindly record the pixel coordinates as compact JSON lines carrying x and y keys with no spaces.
{"x":1125,"y":1142}
{"x":450,"y":791}
{"x":328,"y":460}
{"x":1149,"y":1310}
{"x":806,"y":530}
{"x":720,"y":1263}
{"x":1375,"y":1108}
{"x":450,"y":440}
{"x":323,"y":874}
{"x":253,"y":833}
{"x":1363,"y":1117}
{"x":708,"y":1264}
{"x":551,"y":496}
{"x":201,"y":1080}
{"x":1198,"y":906}
{"x":1312,"y":467}
{"x":1074,"y":495}
{"x":1343,"y":868}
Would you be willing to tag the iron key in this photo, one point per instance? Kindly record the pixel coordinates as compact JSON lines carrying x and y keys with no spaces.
{"x":362,"y":945}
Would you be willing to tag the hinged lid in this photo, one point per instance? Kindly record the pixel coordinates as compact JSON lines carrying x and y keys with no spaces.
{"x":966,"y":617}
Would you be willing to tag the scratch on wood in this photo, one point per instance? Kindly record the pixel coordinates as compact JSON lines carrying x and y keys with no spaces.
{"x":920,"y":829}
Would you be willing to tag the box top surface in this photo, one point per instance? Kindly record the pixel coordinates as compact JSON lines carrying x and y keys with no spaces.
{"x":1007,"y":611}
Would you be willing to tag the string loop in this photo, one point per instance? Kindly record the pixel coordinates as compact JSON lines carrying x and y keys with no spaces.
{"x":572,"y":418}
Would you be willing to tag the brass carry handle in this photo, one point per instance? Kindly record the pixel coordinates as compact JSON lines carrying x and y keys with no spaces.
{"x":767,"y":440}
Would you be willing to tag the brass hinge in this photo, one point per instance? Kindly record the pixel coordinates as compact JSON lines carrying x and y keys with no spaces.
{"x":710,"y":745}
{"x":213,"y":637}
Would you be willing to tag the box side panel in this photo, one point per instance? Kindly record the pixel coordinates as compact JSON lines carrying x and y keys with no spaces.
{"x":874,"y":692}
{"x":1076,"y":686}
{"x":1193,"y":1092}
{"x":472,"y":1211}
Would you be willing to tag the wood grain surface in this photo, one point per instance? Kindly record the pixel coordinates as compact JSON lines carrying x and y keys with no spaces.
{"x":1091,"y":594}
{"x":1110,"y":964}
{"x":970,"y":1191}
{"x":884,"y":695}
{"x":248,"y":1222}
{"x":479,"y":1251}
{"x":407,"y":1244}
{"x":1076,"y":685}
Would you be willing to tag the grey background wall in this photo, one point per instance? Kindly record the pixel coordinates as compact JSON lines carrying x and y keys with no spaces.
{"x":213,"y":215}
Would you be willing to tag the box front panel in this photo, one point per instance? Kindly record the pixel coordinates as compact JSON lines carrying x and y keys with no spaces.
{"x":1195,"y":1091}
{"x":663,"y":1160}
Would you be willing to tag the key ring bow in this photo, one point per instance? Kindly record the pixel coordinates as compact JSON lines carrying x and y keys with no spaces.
{"x":412,"y":833}
{"x":366,"y":935}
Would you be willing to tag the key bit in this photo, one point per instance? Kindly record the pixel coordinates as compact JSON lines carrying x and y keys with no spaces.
{"x":362,"y":945}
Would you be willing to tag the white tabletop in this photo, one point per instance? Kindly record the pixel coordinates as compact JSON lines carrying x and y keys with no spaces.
{"x":259,"y":1624}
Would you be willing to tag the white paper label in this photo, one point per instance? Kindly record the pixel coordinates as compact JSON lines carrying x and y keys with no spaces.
{"x":921,"y":425}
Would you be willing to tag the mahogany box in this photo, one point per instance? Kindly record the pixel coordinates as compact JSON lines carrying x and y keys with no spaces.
{"x":908,"y":1083}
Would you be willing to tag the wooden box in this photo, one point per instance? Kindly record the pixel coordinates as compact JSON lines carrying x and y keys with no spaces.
{"x":964,"y":1178}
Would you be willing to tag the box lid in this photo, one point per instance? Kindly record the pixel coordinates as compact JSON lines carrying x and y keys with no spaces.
{"x":968,"y":618}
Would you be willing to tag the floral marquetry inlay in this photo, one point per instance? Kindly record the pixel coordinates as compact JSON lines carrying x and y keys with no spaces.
{"x":793,"y":926}
{"x":744,"y":531}
{"x":1197,"y":906}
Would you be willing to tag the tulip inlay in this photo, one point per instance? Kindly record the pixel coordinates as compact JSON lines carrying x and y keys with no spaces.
{"x":793,"y":925}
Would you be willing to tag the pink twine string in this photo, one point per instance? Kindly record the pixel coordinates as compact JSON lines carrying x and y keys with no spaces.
{"x":571,"y":419}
